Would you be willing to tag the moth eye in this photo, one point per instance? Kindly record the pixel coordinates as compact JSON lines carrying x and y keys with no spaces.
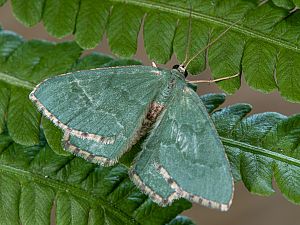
{"x":175,"y":67}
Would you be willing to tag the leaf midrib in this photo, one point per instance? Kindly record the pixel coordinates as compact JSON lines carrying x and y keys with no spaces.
{"x":261,"y":151}
{"x":59,"y":185}
{"x":208,"y":18}
{"x":16,"y":81}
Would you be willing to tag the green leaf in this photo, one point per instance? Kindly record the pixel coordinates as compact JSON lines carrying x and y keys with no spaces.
{"x":60,"y":16}
{"x":23,"y":120}
{"x":181,"y":220}
{"x":9,"y":198}
{"x":94,"y":60}
{"x":262,"y":33}
{"x":257,"y":173}
{"x":148,"y":209}
{"x":196,"y":37}
{"x":4,"y":101}
{"x":9,"y":42}
{"x":263,"y":56}
{"x":91,"y":22}
{"x":28,"y":12}
{"x":287,"y":4}
{"x":122,"y":62}
{"x":225,"y":57}
{"x":259,"y":146}
{"x":212,"y":101}
{"x":159,"y":48}
{"x":71,"y":209}
{"x":35,"y":204}
{"x":296,"y":2}
{"x":287,"y":83}
{"x":265,"y":17}
{"x":53,"y":136}
{"x":2,"y":2}
{"x":38,"y":60}
{"x":123,"y":28}
{"x":288,"y":180}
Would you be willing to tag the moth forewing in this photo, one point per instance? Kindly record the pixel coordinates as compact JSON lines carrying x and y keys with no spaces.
{"x":102,"y":109}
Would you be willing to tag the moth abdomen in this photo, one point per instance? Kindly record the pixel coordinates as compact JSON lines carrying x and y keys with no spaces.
{"x":155,"y":110}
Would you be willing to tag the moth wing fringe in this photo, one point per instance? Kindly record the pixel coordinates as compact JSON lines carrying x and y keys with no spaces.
{"x":189,"y":196}
{"x":100,"y":160}
{"x":58,"y":123}
{"x":135,"y":178}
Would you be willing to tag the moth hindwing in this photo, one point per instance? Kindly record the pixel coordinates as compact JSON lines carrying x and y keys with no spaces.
{"x":184,"y":148}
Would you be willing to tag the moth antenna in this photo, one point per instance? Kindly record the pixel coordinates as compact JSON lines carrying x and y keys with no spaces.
{"x":213,"y":81}
{"x":189,"y":38}
{"x":211,"y":43}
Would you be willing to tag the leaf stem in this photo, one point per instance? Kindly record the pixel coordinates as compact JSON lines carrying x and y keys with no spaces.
{"x":261,"y":151}
{"x":207,"y":18}
{"x":58,"y":185}
{"x":16,"y":81}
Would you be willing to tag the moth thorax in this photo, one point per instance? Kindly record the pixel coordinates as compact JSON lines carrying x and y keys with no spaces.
{"x":181,"y":69}
{"x":154,"y":111}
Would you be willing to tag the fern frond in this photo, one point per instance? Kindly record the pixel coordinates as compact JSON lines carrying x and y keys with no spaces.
{"x":260,"y":147}
{"x":263,"y":45}
{"x":34,"y":167}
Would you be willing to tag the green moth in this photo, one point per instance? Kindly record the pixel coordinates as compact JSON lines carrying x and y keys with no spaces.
{"x":104,"y":112}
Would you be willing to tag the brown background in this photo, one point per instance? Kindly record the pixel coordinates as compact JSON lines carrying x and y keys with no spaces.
{"x":247,"y":209}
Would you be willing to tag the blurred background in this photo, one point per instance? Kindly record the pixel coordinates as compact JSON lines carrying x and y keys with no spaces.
{"x":247,"y":209}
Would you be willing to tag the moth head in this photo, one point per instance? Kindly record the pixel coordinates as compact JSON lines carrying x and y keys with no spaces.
{"x":181,"y":69}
